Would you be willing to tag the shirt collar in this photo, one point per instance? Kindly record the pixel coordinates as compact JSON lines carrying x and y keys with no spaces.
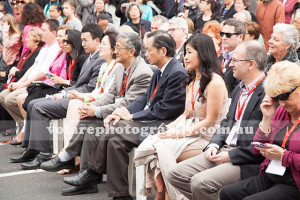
{"x":92,"y":55}
{"x":227,"y":55}
{"x":247,"y":89}
{"x":164,"y":67}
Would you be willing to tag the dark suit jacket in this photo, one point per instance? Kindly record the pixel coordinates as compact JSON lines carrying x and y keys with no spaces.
{"x":230,"y":81}
{"x":169,"y":100}
{"x":242,"y":154}
{"x":87,"y":78}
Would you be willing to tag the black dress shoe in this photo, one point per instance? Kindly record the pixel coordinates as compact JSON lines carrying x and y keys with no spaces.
{"x":36,"y":162}
{"x":83,"y":179}
{"x":26,"y":156}
{"x":75,"y":190}
{"x":56,"y":164}
{"x":123,"y":198}
{"x":15,"y":142}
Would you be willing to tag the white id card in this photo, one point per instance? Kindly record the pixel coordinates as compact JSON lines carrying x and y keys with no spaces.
{"x":276,"y":168}
{"x":147,"y":106}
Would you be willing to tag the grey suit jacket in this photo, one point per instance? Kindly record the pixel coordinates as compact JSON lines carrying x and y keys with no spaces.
{"x":138,"y":81}
{"x":87,"y":78}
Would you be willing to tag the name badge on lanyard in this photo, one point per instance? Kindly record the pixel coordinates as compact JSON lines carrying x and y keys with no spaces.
{"x":276,"y":168}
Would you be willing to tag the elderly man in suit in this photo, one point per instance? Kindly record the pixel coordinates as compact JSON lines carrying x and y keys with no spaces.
{"x":225,"y":159}
{"x":233,"y":33}
{"x":164,"y":100}
{"x":40,"y":111}
{"x":122,"y":92}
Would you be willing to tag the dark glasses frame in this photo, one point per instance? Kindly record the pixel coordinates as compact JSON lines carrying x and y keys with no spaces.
{"x":228,"y":35}
{"x":66,"y":42}
{"x":284,"y":96}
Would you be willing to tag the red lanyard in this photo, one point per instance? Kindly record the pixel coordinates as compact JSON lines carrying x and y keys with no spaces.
{"x":223,"y":65}
{"x":193,"y":99}
{"x":71,"y":67}
{"x":288,"y":132}
{"x":154,"y":92}
{"x":240,"y":110}
{"x":125,"y":82}
{"x":101,"y":90}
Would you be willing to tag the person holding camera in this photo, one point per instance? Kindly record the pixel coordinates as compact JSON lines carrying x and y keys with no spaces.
{"x":120,"y":11}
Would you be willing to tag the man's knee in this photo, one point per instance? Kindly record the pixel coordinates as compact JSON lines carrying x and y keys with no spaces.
{"x":201,"y":183}
{"x":172,"y":174}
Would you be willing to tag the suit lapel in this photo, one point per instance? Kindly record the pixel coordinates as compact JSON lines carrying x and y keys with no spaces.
{"x":86,"y":64}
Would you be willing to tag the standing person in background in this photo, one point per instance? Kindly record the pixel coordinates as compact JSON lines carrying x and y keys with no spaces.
{"x":55,"y":12}
{"x":146,"y":10}
{"x":69,"y":8}
{"x":99,"y":9}
{"x":296,"y":10}
{"x":275,"y":12}
{"x":32,"y":16}
{"x":288,"y":9}
{"x":11,"y":35}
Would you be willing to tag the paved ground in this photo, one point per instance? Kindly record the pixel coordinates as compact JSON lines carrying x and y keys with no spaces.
{"x":17,"y":184}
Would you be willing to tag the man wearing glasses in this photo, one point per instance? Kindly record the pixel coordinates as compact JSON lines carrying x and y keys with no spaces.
{"x":227,"y":156}
{"x":233,"y":33}
{"x":178,"y":29}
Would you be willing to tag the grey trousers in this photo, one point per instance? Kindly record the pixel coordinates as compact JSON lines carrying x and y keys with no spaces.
{"x":85,"y":139}
{"x":200,"y":179}
{"x":39,"y":113}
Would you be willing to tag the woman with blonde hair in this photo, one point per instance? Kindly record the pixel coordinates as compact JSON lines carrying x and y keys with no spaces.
{"x":277,"y":139}
{"x":11,"y":35}
{"x":72,"y":20}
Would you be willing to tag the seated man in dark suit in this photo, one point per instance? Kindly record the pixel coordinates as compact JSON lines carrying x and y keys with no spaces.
{"x":41,"y":111}
{"x":233,"y":33}
{"x":164,"y":100}
{"x":128,"y":48}
{"x":201,"y":177}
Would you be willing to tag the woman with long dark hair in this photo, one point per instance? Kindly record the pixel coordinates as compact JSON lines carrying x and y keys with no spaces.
{"x":205,"y":107}
{"x":210,"y":11}
{"x":32,"y":16}
{"x":67,"y":76}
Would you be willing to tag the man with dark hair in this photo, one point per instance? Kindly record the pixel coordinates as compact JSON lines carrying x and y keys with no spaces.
{"x":83,"y":142}
{"x":233,"y":33}
{"x":103,"y":21}
{"x":52,"y":23}
{"x":228,"y":157}
{"x":41,"y":111}
{"x":164,"y":100}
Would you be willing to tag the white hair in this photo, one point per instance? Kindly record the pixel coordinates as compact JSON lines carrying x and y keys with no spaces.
{"x":290,"y":34}
{"x":245,"y":13}
{"x":180,"y":23}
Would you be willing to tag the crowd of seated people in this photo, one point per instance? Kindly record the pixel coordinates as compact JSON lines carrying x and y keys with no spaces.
{"x":206,"y":92}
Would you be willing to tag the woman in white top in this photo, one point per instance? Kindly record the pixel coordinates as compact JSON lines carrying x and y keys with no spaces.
{"x":106,"y":75}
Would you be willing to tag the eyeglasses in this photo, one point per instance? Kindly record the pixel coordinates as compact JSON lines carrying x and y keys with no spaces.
{"x":284,"y":96}
{"x":66,"y":42}
{"x":171,"y":30}
{"x":17,"y":2}
{"x":228,"y":35}
{"x":233,"y":60}
{"x":118,"y":48}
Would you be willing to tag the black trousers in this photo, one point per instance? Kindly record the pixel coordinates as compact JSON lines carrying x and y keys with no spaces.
{"x":110,"y":156}
{"x":260,"y":187}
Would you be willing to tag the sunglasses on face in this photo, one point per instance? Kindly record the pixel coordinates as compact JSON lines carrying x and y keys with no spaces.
{"x":228,"y":35}
{"x":17,"y":2}
{"x":66,"y":42}
{"x":284,"y":96}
